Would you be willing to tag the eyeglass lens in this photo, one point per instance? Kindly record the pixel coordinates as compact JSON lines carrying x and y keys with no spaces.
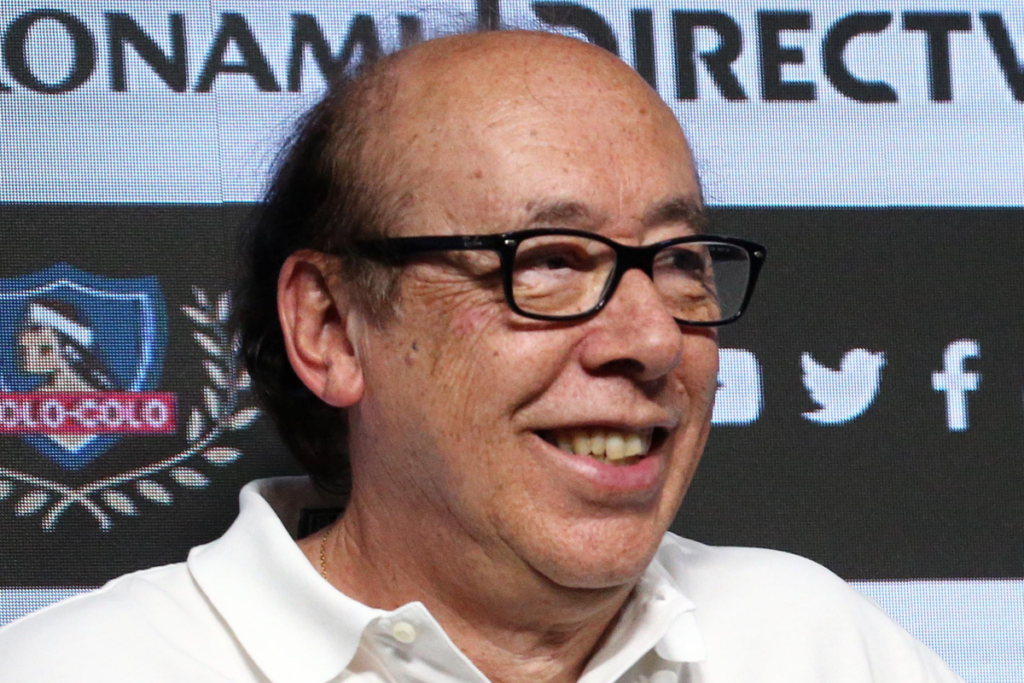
{"x":566,"y":275}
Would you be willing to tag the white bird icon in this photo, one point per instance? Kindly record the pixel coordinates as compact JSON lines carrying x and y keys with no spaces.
{"x":845,"y":393}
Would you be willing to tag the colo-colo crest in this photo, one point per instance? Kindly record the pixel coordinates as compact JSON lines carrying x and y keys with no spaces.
{"x":81,"y":358}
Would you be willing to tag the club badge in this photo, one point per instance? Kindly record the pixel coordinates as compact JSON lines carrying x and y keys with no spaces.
{"x":81,"y":360}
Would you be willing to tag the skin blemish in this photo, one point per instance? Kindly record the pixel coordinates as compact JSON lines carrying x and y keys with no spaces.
{"x":468,"y":321}
{"x":410,"y":357}
{"x":478,"y":174}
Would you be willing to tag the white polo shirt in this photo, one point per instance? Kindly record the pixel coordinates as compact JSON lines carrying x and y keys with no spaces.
{"x":249,"y":607}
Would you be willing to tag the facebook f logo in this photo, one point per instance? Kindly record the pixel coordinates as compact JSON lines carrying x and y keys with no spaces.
{"x":955,"y":381}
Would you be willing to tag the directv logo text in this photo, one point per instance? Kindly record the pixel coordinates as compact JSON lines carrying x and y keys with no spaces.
{"x":770,"y":55}
{"x":955,"y":381}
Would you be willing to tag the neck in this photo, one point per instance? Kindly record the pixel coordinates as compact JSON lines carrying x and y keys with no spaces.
{"x":513,"y":623}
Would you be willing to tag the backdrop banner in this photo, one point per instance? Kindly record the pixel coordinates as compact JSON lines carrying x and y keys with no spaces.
{"x":870,"y":412}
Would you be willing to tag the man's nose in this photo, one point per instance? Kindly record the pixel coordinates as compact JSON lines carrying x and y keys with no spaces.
{"x":634,"y":333}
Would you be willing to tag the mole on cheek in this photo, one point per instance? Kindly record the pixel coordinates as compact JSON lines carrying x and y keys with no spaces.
{"x":410,"y":357}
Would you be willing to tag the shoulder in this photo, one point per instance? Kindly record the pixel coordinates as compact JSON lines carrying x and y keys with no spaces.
{"x":114,"y":633}
{"x":756,"y":605}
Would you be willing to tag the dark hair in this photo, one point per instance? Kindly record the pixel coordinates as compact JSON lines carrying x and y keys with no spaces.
{"x":325,"y":193}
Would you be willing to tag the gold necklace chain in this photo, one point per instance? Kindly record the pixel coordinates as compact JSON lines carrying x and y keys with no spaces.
{"x":323,"y":551}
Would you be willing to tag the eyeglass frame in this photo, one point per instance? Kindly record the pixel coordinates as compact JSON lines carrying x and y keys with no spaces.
{"x":506,"y":244}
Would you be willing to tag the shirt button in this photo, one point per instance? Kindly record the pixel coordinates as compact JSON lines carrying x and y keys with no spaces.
{"x":404,"y":632}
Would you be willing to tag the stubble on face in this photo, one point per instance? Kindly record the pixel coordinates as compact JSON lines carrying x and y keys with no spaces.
{"x":487,"y":128}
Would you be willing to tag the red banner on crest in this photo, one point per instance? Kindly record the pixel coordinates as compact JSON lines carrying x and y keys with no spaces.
{"x":88,"y":412}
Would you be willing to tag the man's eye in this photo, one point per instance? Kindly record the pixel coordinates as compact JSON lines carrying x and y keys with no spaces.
{"x":555,"y":258}
{"x":555,"y":262}
{"x":687,"y":262}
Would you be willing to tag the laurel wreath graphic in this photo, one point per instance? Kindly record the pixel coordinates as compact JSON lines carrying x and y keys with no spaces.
{"x":221,"y":412}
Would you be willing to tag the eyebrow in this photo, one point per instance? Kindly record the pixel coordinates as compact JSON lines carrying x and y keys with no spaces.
{"x":562,"y":212}
{"x":678,"y":210}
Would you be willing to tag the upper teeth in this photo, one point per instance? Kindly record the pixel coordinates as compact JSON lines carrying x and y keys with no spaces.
{"x":609,"y":444}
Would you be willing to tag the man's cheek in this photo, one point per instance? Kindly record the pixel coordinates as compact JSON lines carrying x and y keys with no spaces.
{"x":697,"y":381}
{"x":458,"y":354}
{"x":471,"y":322}
{"x":700,"y":361}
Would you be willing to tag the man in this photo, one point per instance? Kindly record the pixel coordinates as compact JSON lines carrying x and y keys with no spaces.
{"x":523,"y":393}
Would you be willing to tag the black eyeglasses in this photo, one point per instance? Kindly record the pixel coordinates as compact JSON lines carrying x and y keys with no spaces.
{"x":561,"y":274}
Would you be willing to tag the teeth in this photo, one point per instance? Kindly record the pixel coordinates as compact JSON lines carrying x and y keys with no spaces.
{"x":604,"y":444}
{"x":614,"y":446}
{"x":581,"y":443}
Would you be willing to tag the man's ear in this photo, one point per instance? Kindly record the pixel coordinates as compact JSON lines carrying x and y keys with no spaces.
{"x":315,"y":320}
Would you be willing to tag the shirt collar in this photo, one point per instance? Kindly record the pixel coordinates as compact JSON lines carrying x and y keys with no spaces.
{"x":297,"y":628}
{"x":681,"y":640}
{"x":658,"y":616}
{"x":294,"y":625}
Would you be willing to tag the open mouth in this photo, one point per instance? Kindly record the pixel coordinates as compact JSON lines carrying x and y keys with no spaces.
{"x":620,"y":447}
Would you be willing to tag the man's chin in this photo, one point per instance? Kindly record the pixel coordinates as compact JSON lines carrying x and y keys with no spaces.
{"x":595,"y":566}
{"x":594,"y":578}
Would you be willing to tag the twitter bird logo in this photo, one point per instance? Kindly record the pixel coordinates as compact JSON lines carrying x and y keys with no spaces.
{"x":845,"y":393}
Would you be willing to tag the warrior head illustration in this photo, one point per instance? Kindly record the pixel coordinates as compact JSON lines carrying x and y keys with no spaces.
{"x":56,"y":341}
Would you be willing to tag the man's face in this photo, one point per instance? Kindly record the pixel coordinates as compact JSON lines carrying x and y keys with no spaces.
{"x":465,"y":400}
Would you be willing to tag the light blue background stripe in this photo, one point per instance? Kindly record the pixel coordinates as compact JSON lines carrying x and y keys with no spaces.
{"x":150,"y":144}
{"x":976,"y":626}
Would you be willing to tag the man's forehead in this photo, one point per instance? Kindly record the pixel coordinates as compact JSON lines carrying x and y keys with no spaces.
{"x":447,"y":79}
{"x":683,"y":211}
{"x":569,"y":135}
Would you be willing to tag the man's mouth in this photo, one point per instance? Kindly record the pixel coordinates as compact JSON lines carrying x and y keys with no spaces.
{"x":614,"y":446}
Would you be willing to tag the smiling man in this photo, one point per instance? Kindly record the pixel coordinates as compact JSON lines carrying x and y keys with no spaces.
{"x":480,"y":304}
